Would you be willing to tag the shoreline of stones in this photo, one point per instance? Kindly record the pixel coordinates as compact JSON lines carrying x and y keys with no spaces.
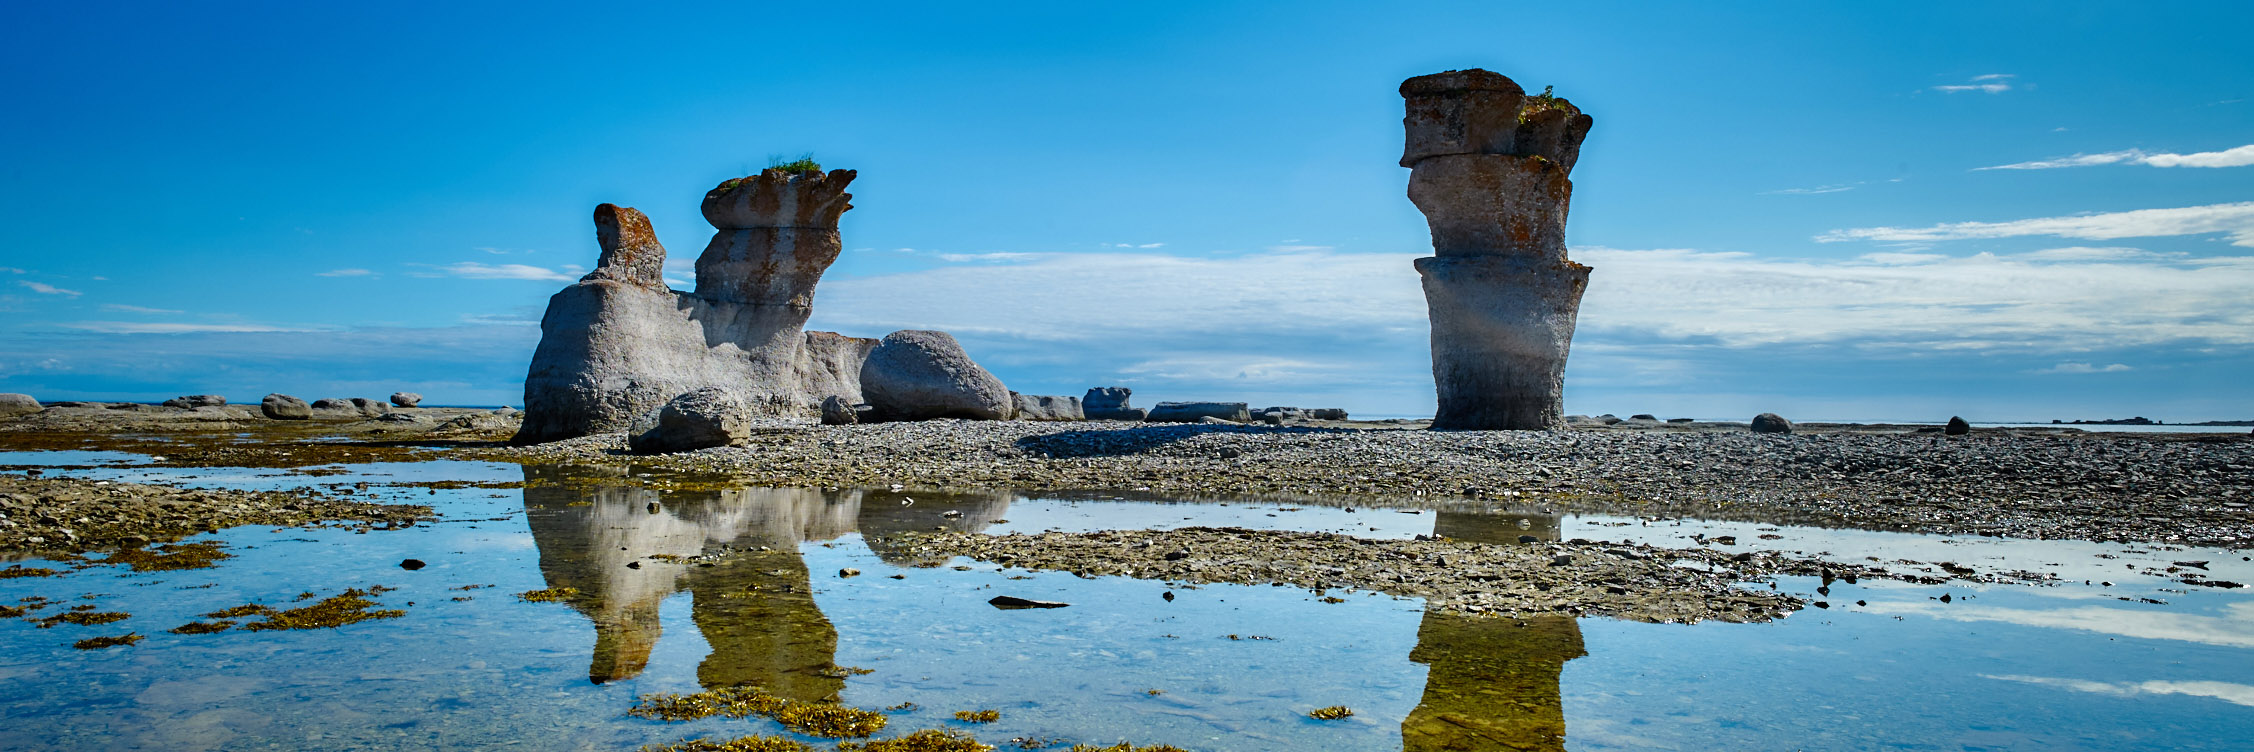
{"x":2021,"y":483}
{"x":74,"y":515}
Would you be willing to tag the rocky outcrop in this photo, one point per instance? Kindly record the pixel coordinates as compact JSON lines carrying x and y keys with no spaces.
{"x":406,"y":399}
{"x":919,"y":375}
{"x":1192,"y":412}
{"x":196,"y":400}
{"x":1489,"y":168}
{"x":1036,"y":407}
{"x":1110,"y":403}
{"x":284,"y":407}
{"x":620,"y":343}
{"x":837,"y":412}
{"x":12,"y":404}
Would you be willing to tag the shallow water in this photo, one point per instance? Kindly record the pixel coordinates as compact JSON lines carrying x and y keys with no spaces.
{"x":2065,"y":666}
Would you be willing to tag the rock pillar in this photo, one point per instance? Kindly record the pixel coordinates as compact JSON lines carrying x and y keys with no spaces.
{"x":1488,"y":167}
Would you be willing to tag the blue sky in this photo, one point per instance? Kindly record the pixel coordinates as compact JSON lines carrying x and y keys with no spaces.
{"x":1999,"y":210}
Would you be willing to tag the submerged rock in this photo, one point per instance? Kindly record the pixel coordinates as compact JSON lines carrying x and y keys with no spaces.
{"x":284,"y":407}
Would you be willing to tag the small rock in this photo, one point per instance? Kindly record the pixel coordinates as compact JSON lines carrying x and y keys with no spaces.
{"x":1957,"y":427}
{"x":411,"y":564}
{"x":1771,"y":423}
{"x":1011,"y":602}
{"x":197,"y":400}
{"x":406,"y":399}
{"x":837,"y":412}
{"x":848,"y":572}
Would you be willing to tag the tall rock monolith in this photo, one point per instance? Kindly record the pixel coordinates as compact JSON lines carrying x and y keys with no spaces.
{"x":620,"y":342}
{"x":1489,"y":166}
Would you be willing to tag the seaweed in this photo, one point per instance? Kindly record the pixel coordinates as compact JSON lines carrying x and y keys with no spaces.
{"x":171,"y":557}
{"x":23,"y":571}
{"x":1331,"y":713}
{"x":978,"y":716}
{"x":927,"y":740}
{"x":202,"y":627}
{"x":82,"y":618}
{"x":811,"y":718}
{"x":97,"y":643}
{"x":550,"y":595}
{"x":744,"y":744}
{"x":349,"y":607}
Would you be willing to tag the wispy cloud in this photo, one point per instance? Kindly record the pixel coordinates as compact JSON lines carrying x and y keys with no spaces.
{"x":1839,"y":188}
{"x":475,"y":270}
{"x":143,"y":327}
{"x":1992,"y":83}
{"x":2234,"y":157}
{"x":12,"y":270}
{"x":123,"y":308}
{"x":2236,"y":694}
{"x":2084,"y":368}
{"x":2234,"y":627}
{"x":47,"y":289}
{"x":994,"y":257}
{"x":346,"y":273}
{"x":1131,"y":245}
{"x":2235,"y":219}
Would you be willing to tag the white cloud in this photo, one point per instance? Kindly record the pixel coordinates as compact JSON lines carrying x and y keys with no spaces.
{"x":475,"y":270}
{"x":1839,"y":188}
{"x":47,"y":289}
{"x":2237,"y":694}
{"x":123,"y":308}
{"x":142,"y":327}
{"x":2234,"y":628}
{"x":2063,"y":300}
{"x":2235,"y":219}
{"x":1991,"y":83}
{"x":12,"y":270}
{"x":1131,"y":245}
{"x":2234,"y":157}
{"x":959,"y":258}
{"x":346,"y":273}
{"x":2085,"y":368}
{"x":1299,"y":248}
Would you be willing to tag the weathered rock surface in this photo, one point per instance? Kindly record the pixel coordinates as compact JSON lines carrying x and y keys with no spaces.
{"x":196,"y":400}
{"x":72,"y":514}
{"x":1037,"y":407}
{"x":1956,"y":427}
{"x":1191,"y":412}
{"x":1771,"y":423}
{"x":837,"y":412}
{"x":284,"y":407}
{"x":406,"y":399}
{"x":371,"y":408}
{"x":920,"y":374}
{"x":18,"y":404}
{"x":701,"y":419}
{"x":1489,"y":170}
{"x":619,"y":343}
{"x":1110,"y":403}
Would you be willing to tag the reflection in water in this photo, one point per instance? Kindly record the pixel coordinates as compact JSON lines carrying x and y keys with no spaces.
{"x":754,"y":607}
{"x":1492,"y":683}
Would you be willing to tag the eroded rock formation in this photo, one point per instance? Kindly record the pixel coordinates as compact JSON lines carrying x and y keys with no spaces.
{"x":1489,"y":168}
{"x":620,"y":343}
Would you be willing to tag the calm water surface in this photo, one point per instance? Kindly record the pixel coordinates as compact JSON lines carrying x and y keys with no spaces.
{"x":2070,"y":666}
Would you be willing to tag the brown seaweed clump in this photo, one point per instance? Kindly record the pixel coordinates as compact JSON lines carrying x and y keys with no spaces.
{"x":978,"y":716}
{"x":170,"y":557}
{"x":550,"y":595}
{"x":202,"y":627}
{"x":82,"y":618}
{"x":1331,"y":713}
{"x":349,"y":607}
{"x":97,"y":643}
{"x":237,"y":612}
{"x":1126,"y":747}
{"x":927,"y":740}
{"x":745,"y":744}
{"x":826,"y":720}
{"x":22,"y":571}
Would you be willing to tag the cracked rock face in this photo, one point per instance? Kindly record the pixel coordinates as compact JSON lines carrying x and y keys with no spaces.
{"x":620,"y":343}
{"x":1489,"y":168}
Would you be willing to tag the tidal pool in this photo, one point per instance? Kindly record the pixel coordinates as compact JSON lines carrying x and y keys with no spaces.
{"x":680,"y":591}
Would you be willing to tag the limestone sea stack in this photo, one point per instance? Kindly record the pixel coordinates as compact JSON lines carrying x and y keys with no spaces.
{"x":1489,"y":168}
{"x":620,"y":343}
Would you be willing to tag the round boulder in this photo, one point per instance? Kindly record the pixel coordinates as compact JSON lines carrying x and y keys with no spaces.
{"x":708,"y":417}
{"x":18,"y":404}
{"x":1771,"y":423}
{"x":1957,"y":427}
{"x":920,"y":375}
{"x":406,"y":399}
{"x":285,"y":407}
{"x":196,"y":400}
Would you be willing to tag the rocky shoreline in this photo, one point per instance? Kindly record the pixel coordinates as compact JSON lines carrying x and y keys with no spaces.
{"x":2183,"y":489}
{"x":75,"y":515}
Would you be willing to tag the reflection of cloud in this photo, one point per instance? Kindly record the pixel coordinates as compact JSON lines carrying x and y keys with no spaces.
{"x":2233,"y":629}
{"x":2237,"y":694}
{"x":2236,"y":219}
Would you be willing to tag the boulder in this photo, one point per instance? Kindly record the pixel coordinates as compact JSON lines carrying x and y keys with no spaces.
{"x":18,"y":404}
{"x":837,"y":412}
{"x":1771,"y":423}
{"x":1327,"y":413}
{"x":284,"y":407}
{"x":920,"y":374}
{"x":370,"y":408}
{"x":196,"y":400}
{"x":1957,"y":427}
{"x":1192,"y":412}
{"x":334,"y":403}
{"x":1644,"y":416}
{"x":1110,"y":403}
{"x":1037,"y":407}
{"x":406,"y":399}
{"x":1609,"y":419}
{"x":486,"y":422}
{"x":708,"y":417}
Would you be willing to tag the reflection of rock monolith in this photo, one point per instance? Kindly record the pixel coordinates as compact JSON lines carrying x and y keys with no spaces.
{"x":1488,"y":167}
{"x":1492,"y":682}
{"x":620,"y":342}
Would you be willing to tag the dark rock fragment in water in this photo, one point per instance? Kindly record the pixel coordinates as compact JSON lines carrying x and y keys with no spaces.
{"x":411,"y":564}
{"x":1168,"y":595}
{"x":1011,"y":602}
